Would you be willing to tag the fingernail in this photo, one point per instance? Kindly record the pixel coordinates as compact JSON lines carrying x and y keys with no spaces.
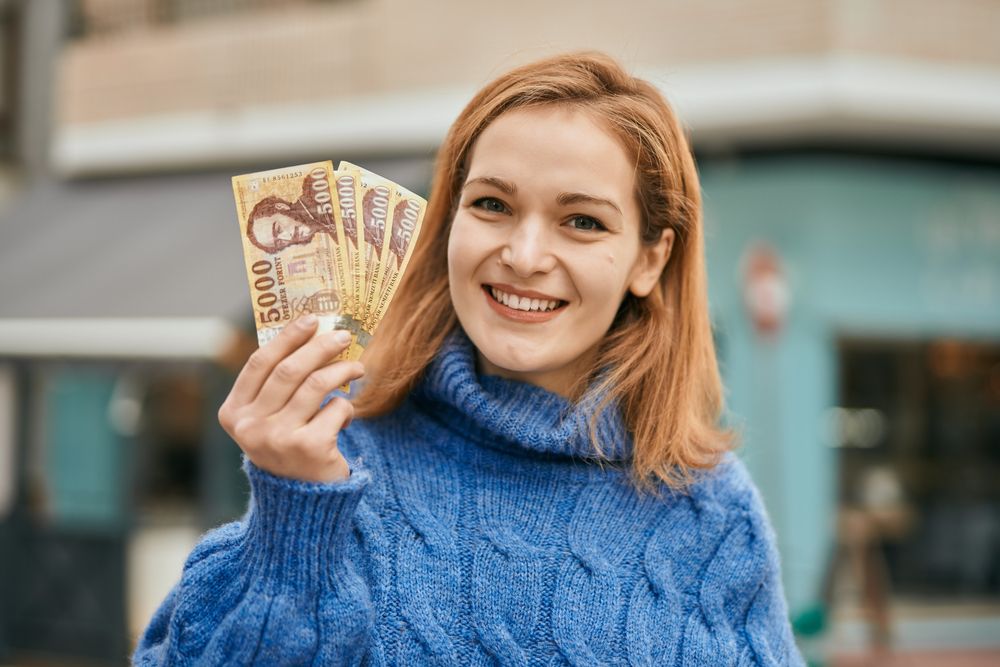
{"x":307,"y":320}
{"x":343,"y":337}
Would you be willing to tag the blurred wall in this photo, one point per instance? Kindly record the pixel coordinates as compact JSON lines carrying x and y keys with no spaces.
{"x":202,"y":83}
{"x":303,"y":52}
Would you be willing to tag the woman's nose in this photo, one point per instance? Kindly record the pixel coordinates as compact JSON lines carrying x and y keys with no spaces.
{"x":528,"y":250}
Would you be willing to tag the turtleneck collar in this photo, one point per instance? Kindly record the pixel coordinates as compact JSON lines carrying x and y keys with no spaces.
{"x":514,"y":415}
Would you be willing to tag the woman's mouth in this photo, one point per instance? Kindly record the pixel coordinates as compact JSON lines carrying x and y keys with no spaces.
{"x":523,"y":308}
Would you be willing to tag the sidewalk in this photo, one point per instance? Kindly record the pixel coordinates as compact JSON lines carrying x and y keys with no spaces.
{"x":983,"y":658}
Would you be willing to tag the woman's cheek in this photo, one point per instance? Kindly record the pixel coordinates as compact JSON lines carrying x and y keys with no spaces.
{"x":462,"y":259}
{"x":455,"y":248}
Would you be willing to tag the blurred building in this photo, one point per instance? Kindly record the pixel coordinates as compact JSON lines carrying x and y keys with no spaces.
{"x":850,"y":156}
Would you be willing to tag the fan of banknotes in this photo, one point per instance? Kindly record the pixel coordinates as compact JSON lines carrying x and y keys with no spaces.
{"x":331,"y":242}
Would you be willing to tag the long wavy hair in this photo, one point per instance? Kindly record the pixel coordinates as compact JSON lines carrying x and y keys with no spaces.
{"x":658,"y":357}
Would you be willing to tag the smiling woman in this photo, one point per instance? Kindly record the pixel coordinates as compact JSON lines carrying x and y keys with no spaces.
{"x":570,"y":180}
{"x":542,"y":387}
{"x":545,"y":224}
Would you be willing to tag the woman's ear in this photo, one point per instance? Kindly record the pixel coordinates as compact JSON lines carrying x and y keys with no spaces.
{"x":650,"y":263}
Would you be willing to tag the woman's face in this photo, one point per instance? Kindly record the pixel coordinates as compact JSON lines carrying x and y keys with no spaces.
{"x":545,"y":244}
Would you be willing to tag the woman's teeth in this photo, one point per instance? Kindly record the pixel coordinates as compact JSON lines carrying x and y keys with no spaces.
{"x":523,"y":302}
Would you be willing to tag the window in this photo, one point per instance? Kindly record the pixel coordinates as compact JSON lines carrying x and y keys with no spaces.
{"x":919,"y":440}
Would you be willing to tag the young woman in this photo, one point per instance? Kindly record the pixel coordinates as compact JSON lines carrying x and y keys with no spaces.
{"x":536,"y":475}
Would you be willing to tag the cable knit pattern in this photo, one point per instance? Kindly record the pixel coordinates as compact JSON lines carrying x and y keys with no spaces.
{"x":478,"y":527}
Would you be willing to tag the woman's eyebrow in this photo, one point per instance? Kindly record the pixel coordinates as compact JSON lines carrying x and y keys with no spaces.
{"x":500,"y":184}
{"x":570,"y":198}
{"x":564,"y":199}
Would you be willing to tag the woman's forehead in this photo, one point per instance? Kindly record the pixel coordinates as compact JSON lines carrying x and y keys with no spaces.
{"x":554,"y":146}
{"x":553,"y":151}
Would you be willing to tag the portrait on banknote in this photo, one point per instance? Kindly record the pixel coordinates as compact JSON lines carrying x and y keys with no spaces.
{"x":275,"y":223}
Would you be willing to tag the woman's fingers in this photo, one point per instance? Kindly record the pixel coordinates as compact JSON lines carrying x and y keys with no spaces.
{"x":309,"y":451}
{"x":306,"y":400}
{"x":260,"y":364}
{"x":272,"y":409}
{"x":298,"y":369}
{"x":328,"y":422}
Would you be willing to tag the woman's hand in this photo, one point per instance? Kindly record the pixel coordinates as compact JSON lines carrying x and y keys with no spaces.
{"x":273,"y":410}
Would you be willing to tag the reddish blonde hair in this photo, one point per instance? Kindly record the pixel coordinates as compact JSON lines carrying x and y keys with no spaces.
{"x":659,"y":353}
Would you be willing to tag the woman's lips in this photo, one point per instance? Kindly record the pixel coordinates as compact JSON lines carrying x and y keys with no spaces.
{"x":531,"y":294}
{"x":528,"y":316}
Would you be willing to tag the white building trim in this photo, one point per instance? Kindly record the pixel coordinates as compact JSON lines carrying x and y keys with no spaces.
{"x":842,"y":97}
{"x":189,"y":338}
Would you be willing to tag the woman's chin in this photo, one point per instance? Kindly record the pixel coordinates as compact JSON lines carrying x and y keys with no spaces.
{"x":505,"y":364}
{"x":524,"y":368}
{"x":505,"y":367}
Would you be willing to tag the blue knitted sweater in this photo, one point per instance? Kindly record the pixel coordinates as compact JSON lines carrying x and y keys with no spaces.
{"x":476,"y":529}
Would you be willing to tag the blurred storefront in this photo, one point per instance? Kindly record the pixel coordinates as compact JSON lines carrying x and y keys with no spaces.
{"x":872,"y":412}
{"x":850,"y":156}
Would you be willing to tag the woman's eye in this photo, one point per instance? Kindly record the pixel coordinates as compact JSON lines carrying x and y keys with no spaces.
{"x":586,"y":223}
{"x":490,"y":204}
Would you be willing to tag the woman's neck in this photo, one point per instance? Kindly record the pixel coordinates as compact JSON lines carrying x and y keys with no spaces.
{"x":569,"y":381}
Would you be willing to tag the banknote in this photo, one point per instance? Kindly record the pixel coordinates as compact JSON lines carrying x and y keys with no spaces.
{"x":290,"y":244}
{"x":405,"y":220}
{"x":341,"y":254}
{"x":331,"y":242}
{"x":386,"y":204}
{"x":377,"y":197}
{"x":348,"y":191}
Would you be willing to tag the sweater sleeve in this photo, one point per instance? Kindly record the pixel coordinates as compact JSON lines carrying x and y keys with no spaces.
{"x":273,"y":588}
{"x":766,"y":627}
{"x":749,"y":597}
